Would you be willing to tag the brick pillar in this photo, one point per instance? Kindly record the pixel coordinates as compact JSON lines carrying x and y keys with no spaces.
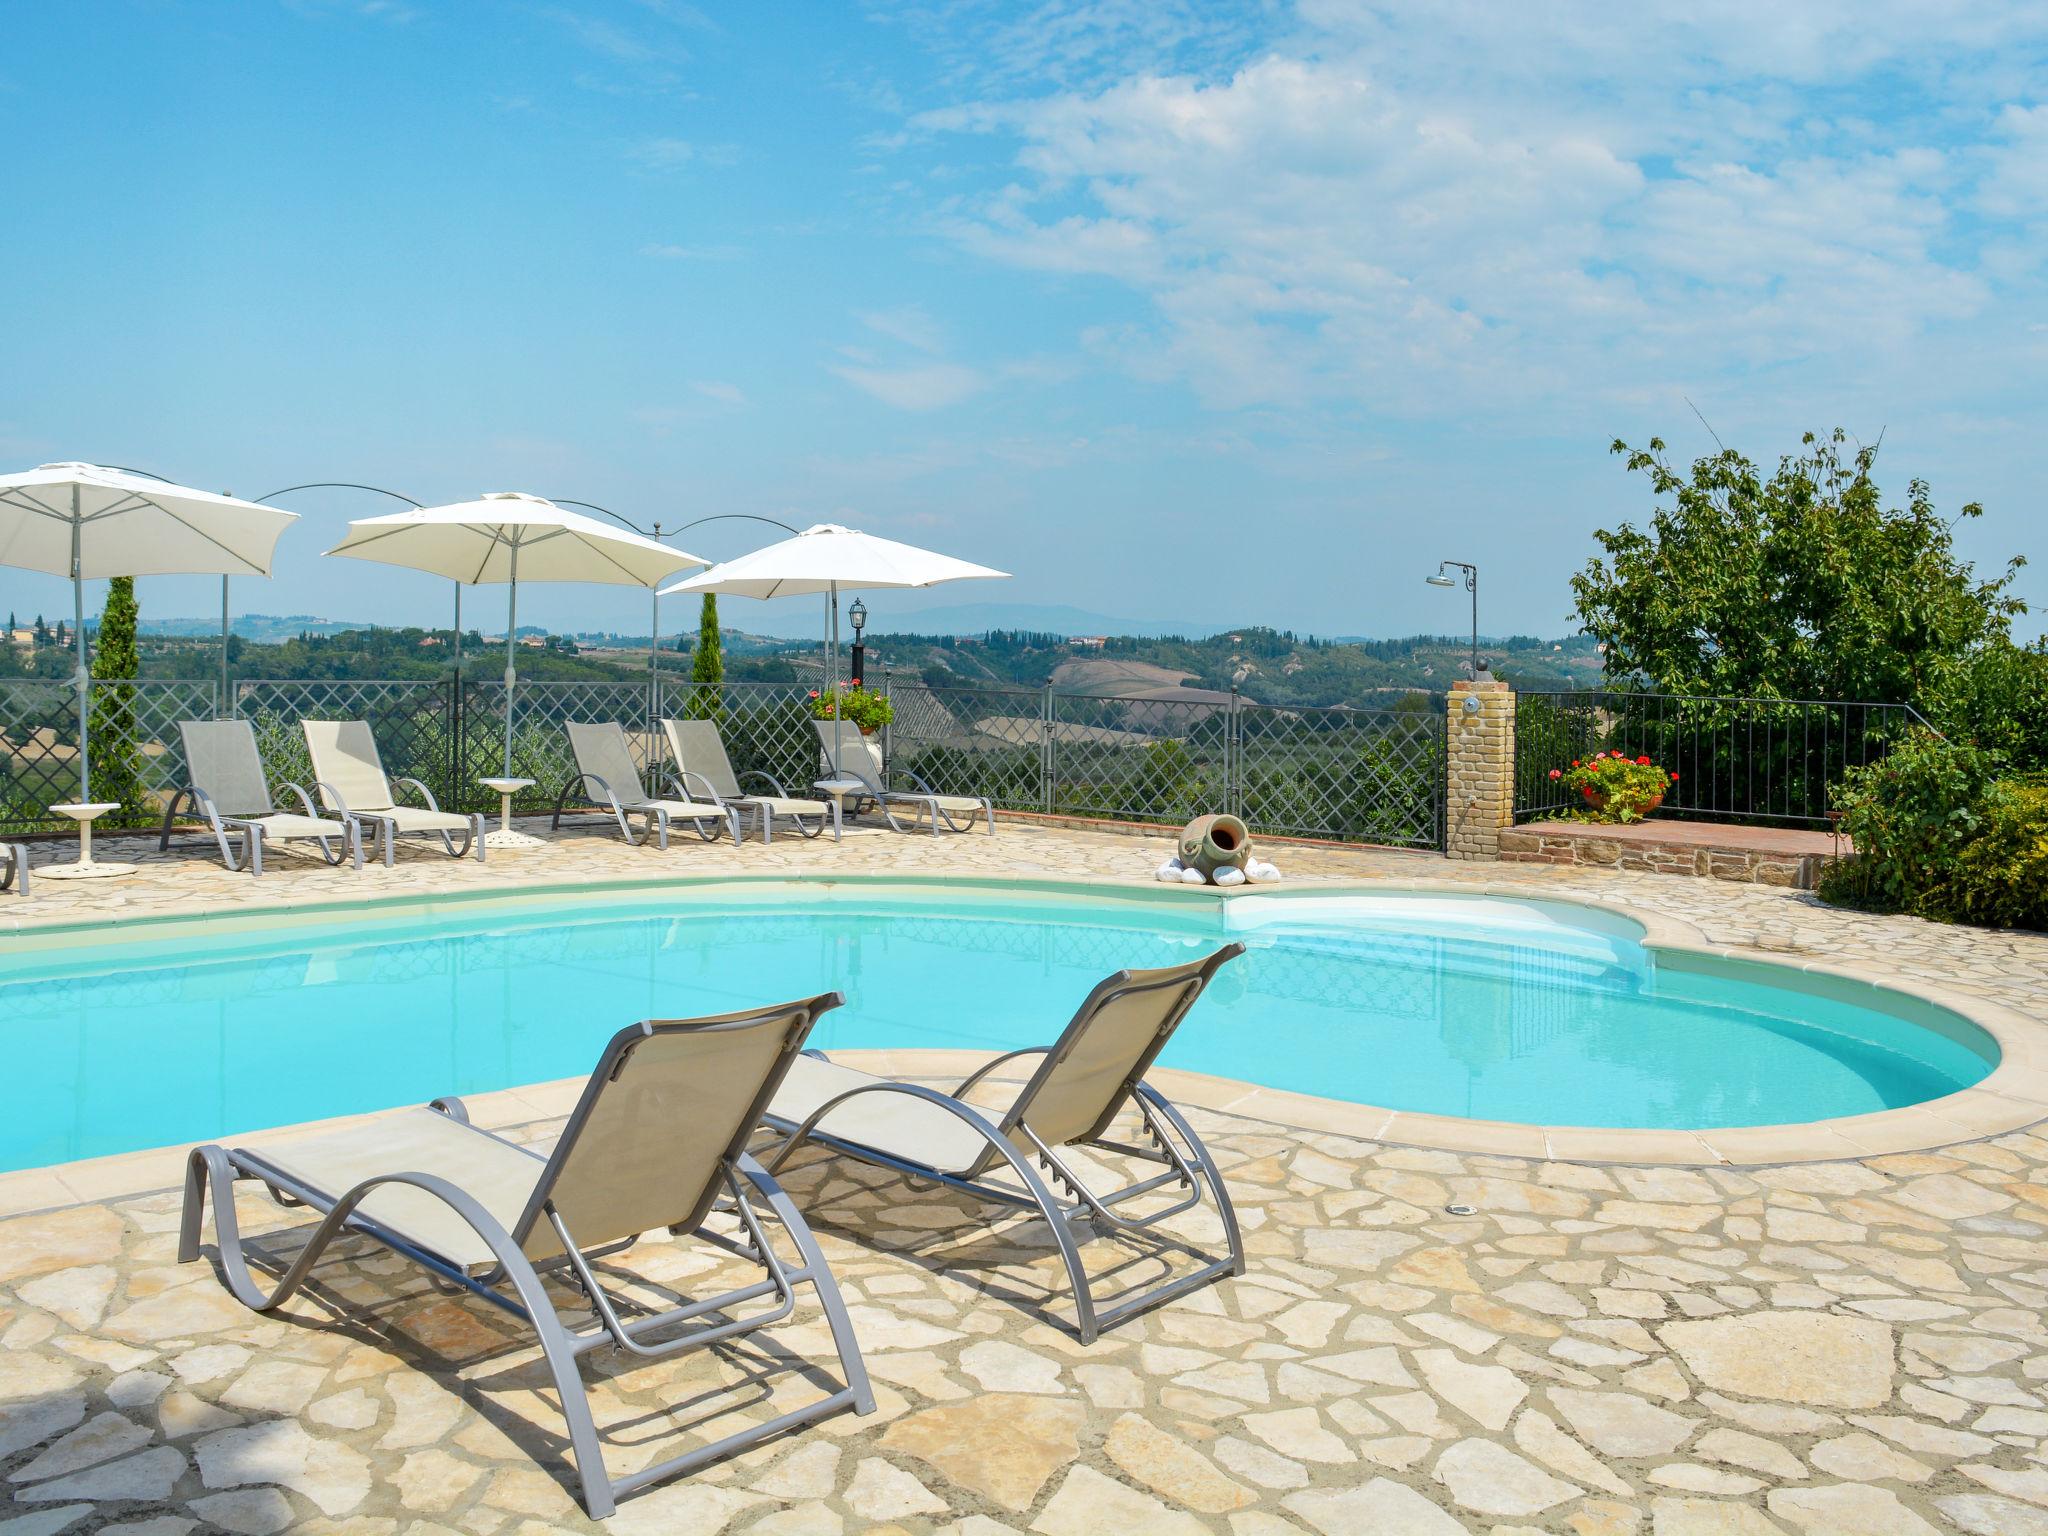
{"x":1482,"y":768}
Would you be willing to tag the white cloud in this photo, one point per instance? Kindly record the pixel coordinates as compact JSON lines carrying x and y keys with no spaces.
{"x":924,"y":387}
{"x":666,"y":154}
{"x":717,"y":389}
{"x":1469,"y":204}
{"x":909,"y":324}
{"x":693,"y":252}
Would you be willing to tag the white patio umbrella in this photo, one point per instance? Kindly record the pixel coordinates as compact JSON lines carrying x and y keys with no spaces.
{"x":827,"y":558}
{"x":86,"y":521}
{"x":512,"y":537}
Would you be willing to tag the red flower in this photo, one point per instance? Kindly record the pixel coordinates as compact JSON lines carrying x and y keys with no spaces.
{"x":1642,"y":762}
{"x":1575,"y":762}
{"x":1557,"y":773}
{"x":1674,"y":778}
{"x":1586,"y":790}
{"x":814,"y":693}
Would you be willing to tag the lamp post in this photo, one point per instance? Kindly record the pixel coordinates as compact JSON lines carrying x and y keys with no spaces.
{"x":1442,"y":578}
{"x":857,"y":615}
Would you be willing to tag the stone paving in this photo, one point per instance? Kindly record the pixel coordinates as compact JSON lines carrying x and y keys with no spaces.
{"x":1426,"y":1341}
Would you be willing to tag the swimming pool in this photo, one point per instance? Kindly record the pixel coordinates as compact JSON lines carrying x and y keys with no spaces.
{"x":1497,"y":1009}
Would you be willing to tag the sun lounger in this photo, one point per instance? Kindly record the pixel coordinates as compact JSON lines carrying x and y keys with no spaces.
{"x":658,"y":1139}
{"x":604,"y":763}
{"x":14,"y":866}
{"x":349,"y":775}
{"x":704,"y":768}
{"x":227,"y":789}
{"x":853,"y":759}
{"x":1088,"y":1077}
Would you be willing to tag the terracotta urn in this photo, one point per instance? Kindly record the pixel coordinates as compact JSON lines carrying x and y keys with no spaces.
{"x":1210,"y":843}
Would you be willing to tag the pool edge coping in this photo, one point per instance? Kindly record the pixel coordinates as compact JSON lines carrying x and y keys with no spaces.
{"x":2012,"y":1097}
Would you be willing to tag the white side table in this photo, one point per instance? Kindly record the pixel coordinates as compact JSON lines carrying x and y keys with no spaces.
{"x":507,"y":835}
{"x":839,"y":791}
{"x":87,"y":867}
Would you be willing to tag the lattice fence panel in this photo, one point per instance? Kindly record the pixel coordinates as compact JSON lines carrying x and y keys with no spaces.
{"x":540,"y":745}
{"x":1369,"y":776}
{"x":766,"y":727}
{"x":414,"y":723}
{"x":970,"y":741}
{"x":135,"y":732}
{"x":1140,"y":759}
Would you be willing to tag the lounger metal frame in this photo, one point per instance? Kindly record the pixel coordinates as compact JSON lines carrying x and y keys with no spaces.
{"x":744,"y":801}
{"x":14,"y":866}
{"x":1171,"y":1141}
{"x":348,"y":830}
{"x":658,"y":818}
{"x":390,"y":831}
{"x":924,"y":795}
{"x":217,"y":1169}
{"x":473,"y":831}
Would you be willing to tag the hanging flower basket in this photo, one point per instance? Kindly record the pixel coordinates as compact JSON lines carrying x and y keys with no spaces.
{"x":857,"y":706}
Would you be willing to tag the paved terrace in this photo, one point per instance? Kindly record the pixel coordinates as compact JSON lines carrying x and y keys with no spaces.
{"x":1843,"y":1347}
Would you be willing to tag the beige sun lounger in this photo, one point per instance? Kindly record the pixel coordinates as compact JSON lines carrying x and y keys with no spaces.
{"x":226,"y":788}
{"x":14,"y":866}
{"x":1088,"y":1077}
{"x":704,"y":768}
{"x":604,"y":764}
{"x":349,"y":774}
{"x":855,"y":760}
{"x":658,"y":1139}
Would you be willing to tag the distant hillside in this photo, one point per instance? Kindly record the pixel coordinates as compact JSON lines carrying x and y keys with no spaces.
{"x":262,"y":628}
{"x":1268,"y":665}
{"x":1271,"y":666}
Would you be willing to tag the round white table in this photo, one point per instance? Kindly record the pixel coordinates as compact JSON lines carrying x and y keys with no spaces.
{"x":508,"y":836}
{"x":85,"y":813}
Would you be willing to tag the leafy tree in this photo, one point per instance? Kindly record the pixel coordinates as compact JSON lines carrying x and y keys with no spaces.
{"x":1799,"y":584}
{"x":707,"y":664}
{"x":116,"y":753}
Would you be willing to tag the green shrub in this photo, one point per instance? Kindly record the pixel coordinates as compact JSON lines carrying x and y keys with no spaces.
{"x":1937,"y":834}
{"x":2001,"y":879}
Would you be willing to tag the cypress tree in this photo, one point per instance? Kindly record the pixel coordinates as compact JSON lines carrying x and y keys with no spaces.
{"x":117,"y":755}
{"x":707,"y":664}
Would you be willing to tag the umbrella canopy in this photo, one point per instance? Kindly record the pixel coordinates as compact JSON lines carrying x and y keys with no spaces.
{"x":829,"y":558}
{"x":826,"y":558}
{"x":130,"y":525}
{"x":85,"y":521}
{"x":511,"y":537}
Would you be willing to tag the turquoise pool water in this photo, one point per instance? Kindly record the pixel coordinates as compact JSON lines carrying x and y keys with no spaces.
{"x":1503,"y":1010}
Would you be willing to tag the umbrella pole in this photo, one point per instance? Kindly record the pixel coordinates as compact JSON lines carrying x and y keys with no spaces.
{"x":458,"y":632}
{"x":220,"y":708}
{"x":84,"y":678}
{"x":832,"y":679}
{"x":511,"y":671}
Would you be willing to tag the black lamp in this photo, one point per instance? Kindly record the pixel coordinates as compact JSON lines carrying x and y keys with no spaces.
{"x":857,"y":616}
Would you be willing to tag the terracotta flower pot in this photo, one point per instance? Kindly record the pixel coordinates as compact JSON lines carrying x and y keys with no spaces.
{"x":1597,"y":799}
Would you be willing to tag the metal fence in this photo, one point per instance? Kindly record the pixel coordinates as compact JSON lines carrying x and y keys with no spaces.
{"x":1737,"y":759}
{"x":1349,"y":774}
{"x":1355,"y":775}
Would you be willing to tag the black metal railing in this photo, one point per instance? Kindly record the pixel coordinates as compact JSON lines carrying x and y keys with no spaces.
{"x":1772,"y":761}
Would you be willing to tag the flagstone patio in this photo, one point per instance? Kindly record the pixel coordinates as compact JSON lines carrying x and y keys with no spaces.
{"x":1426,"y":1341}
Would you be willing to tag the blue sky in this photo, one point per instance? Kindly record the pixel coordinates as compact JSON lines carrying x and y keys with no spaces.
{"x":1244,"y":314}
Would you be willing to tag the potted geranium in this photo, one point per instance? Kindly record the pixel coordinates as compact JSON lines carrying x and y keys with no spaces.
{"x":1615,"y":786}
{"x":869,"y":711}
